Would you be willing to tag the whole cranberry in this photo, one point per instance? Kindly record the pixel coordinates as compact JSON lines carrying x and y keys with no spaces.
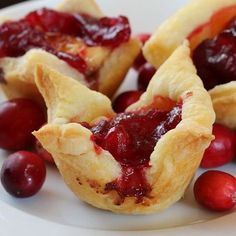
{"x":221,"y":149}
{"x":140,"y":60}
{"x":43,"y":152}
{"x":23,"y":174}
{"x":126,"y":99}
{"x":18,"y":119}
{"x":216,"y":190}
{"x":145,"y":74}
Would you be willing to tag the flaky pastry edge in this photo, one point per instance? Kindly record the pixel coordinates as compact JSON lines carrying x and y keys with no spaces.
{"x":174,"y":31}
{"x":18,"y":72}
{"x":173,"y":162}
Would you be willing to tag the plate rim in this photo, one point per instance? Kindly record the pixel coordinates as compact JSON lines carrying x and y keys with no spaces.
{"x":223,"y":224}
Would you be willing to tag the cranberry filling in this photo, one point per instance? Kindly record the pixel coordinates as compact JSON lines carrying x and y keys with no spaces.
{"x":215,"y":59}
{"x":38,"y":28}
{"x":106,"y":31}
{"x":131,"y":137}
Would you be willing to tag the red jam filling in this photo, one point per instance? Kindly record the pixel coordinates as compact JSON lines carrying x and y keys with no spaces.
{"x":215,"y":59}
{"x":40,"y":28}
{"x":131,"y":137}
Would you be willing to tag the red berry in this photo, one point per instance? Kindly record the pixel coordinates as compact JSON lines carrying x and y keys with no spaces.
{"x":18,"y":119}
{"x":23,"y":174}
{"x":146,"y":73}
{"x":43,"y":152}
{"x":221,"y":149}
{"x":126,"y":99}
{"x":140,"y":60}
{"x":216,"y":190}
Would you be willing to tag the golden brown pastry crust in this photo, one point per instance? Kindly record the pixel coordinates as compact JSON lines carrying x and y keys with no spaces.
{"x":89,"y":7}
{"x":224,"y":103}
{"x":69,"y":100}
{"x":174,"y":160}
{"x":177,"y":28}
{"x":114,"y":70}
{"x":18,"y":71}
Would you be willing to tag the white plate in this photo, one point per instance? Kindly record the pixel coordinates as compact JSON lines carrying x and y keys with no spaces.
{"x":55,"y":211}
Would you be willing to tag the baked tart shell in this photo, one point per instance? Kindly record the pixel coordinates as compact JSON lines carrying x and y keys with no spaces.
{"x":202,"y":16}
{"x":18,"y":72}
{"x":174,"y":160}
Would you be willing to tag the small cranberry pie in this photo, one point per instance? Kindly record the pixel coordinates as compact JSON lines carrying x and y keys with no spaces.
{"x":210,"y":28}
{"x":75,"y":39}
{"x":136,"y":162}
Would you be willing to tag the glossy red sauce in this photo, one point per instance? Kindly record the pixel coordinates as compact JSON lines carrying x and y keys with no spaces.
{"x":215,"y":59}
{"x":131,"y":137}
{"x":42,"y":28}
{"x":212,"y":27}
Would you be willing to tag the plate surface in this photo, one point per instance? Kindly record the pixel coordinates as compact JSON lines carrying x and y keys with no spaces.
{"x":56,"y":211}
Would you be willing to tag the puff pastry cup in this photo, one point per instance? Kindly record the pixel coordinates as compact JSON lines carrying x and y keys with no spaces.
{"x":172,"y":163}
{"x":197,"y":21}
{"x":18,"y":72}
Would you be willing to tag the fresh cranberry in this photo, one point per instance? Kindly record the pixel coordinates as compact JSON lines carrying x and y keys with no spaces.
{"x":221,"y":149}
{"x":145,"y":74}
{"x":215,"y":59}
{"x":140,"y":60}
{"x":216,"y":190}
{"x":23,"y":174}
{"x":126,"y":99}
{"x":131,"y":137}
{"x":18,"y":119}
{"x":43,"y":153}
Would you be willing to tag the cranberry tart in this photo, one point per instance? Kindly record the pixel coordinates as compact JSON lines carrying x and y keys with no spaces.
{"x":75,"y":39}
{"x":136,"y":162}
{"x":210,"y":28}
